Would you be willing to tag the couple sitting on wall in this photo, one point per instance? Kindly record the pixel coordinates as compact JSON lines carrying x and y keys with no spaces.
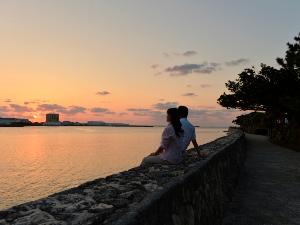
{"x":175,"y":138}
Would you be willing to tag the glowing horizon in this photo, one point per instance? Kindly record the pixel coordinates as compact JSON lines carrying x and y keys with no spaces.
{"x":128,"y":61}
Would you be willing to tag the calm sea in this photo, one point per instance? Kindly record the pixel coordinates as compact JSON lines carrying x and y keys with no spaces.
{"x":39,"y":161}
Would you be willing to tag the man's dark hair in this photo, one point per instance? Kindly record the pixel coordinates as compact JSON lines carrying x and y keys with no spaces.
{"x":175,"y":120}
{"x":183,"y":111}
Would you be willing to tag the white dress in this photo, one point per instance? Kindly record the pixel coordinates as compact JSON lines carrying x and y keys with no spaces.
{"x":172,"y":144}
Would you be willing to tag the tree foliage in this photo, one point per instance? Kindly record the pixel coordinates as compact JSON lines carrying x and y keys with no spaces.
{"x":252,"y":119}
{"x":275,"y":91}
{"x":254,"y":122}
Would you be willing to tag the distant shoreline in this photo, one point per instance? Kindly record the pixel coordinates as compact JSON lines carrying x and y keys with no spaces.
{"x":83,"y":125}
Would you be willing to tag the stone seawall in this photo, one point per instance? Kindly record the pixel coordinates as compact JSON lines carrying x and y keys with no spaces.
{"x":193,"y":192}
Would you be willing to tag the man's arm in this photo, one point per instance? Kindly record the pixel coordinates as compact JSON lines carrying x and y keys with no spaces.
{"x":196,"y":146}
{"x":198,"y":149}
{"x":194,"y":141}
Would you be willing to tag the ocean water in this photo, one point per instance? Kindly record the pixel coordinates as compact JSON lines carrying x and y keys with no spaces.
{"x":38,"y":161}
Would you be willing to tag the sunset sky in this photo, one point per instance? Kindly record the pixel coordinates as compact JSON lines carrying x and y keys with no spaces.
{"x":129,"y":60}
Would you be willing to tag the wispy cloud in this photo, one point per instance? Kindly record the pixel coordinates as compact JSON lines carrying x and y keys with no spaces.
{"x":189,"y":94}
{"x":100,"y":110}
{"x":206,"y":107}
{"x":237,"y":62}
{"x":138,"y":110}
{"x":155,"y":66}
{"x":209,"y":116}
{"x":31,"y":102}
{"x":20,"y":108}
{"x":35,"y":101}
{"x":71,"y":110}
{"x":205,"y":85}
{"x":166,"y":55}
{"x":203,"y":116}
{"x":187,"y":53}
{"x":186,"y":69}
{"x":110,"y":112}
{"x":8,"y":100}
{"x":103,"y":93}
{"x":4,"y":109}
{"x":197,"y":112}
{"x":154,"y":114}
{"x":141,"y":111}
{"x":122,"y":113}
{"x":165,"y":105}
{"x":50,"y":107}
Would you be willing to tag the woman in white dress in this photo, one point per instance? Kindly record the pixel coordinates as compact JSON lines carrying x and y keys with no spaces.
{"x":171,"y":146}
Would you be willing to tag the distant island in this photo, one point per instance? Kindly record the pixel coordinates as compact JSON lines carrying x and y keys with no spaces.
{"x":52,"y":119}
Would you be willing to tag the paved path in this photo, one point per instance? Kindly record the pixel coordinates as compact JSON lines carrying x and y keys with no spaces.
{"x":269,"y":189}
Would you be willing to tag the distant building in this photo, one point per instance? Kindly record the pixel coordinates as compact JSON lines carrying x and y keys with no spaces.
{"x":52,"y":119}
{"x":14,"y":122}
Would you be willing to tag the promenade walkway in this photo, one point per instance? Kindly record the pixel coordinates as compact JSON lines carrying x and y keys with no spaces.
{"x":269,"y":189}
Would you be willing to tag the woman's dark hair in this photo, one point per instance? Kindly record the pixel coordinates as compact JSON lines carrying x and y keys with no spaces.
{"x":175,"y":120}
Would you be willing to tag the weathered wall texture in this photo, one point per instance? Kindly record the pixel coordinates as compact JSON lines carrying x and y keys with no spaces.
{"x":193,"y":192}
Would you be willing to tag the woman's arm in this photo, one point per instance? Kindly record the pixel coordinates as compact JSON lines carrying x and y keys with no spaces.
{"x":165,"y":138}
{"x":158,"y":151}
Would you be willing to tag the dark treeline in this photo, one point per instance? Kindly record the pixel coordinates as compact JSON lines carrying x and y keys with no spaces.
{"x":274,"y":92}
